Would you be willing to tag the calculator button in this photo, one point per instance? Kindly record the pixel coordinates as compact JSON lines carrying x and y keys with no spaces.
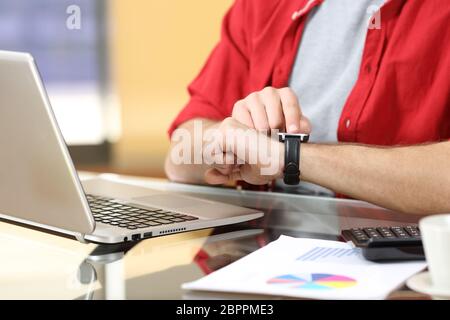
{"x":372,"y":233}
{"x":359,"y":235}
{"x":400,"y":232}
{"x":413,"y":231}
{"x":386,"y":232}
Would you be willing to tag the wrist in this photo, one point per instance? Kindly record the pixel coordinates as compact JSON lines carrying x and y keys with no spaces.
{"x":303,"y":155}
{"x":281,"y":161}
{"x":306,"y":156}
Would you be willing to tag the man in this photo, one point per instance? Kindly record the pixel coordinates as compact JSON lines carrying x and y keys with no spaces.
{"x":376,"y":100}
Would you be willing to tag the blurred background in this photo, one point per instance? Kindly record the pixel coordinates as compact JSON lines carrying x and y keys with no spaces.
{"x":116,"y":71}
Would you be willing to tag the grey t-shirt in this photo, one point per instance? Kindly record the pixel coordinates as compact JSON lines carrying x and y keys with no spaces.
{"x":328,"y":61}
{"x":327,"y":65}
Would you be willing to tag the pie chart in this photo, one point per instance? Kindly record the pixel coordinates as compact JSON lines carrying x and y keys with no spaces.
{"x":314,"y":281}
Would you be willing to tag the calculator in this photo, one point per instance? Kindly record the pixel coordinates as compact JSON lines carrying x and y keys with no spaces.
{"x":387,"y":243}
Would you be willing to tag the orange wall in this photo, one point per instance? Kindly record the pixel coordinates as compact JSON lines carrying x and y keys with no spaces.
{"x":158,"y":47}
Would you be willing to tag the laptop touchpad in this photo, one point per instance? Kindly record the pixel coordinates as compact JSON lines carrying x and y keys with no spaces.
{"x":168,"y":201}
{"x":197,"y":207}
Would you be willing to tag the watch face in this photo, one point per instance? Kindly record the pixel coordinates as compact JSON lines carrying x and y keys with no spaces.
{"x":302,"y":136}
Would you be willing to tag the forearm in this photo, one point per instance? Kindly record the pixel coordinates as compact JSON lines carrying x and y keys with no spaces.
{"x":410,"y":179}
{"x":187,"y":172}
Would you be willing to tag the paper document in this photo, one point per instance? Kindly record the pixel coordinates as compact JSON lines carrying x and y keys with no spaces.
{"x":309,"y":268}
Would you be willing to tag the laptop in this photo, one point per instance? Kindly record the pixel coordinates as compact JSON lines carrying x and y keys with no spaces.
{"x":39,"y":185}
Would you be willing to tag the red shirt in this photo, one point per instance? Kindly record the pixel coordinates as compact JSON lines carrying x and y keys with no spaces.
{"x":402,"y":95}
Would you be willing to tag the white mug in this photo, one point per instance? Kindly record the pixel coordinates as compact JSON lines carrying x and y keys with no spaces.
{"x":435,"y":232}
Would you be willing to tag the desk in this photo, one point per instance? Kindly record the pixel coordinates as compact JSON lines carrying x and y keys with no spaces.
{"x":38,"y":265}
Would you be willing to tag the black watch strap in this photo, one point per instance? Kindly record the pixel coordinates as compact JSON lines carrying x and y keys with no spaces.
{"x":292,"y":145}
{"x":292,"y":161}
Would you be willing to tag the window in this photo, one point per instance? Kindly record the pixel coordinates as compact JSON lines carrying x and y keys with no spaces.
{"x":73,"y":62}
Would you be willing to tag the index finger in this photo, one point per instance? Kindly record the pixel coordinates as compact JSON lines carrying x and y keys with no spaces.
{"x":292,"y":111}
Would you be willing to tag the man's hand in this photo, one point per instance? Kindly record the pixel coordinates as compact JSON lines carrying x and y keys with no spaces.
{"x":261,"y":157}
{"x":272,"y":108}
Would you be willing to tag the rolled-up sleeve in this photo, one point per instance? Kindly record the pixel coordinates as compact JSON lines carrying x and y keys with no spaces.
{"x":223,"y":79}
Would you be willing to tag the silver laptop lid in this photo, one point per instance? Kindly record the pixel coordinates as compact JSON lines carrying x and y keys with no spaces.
{"x":38,"y":182}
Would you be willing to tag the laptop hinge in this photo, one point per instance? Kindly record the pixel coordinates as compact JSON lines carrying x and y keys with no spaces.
{"x":80,"y":237}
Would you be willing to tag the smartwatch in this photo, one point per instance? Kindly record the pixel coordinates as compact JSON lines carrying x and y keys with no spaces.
{"x":292,"y":143}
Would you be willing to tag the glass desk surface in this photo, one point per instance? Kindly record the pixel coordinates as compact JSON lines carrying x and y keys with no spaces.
{"x":39,"y":265}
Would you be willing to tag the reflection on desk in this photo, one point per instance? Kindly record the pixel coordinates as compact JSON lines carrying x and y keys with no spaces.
{"x":38,"y":265}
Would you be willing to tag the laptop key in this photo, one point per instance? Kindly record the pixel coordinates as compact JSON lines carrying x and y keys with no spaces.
{"x":177,"y":215}
{"x":114,"y":214}
{"x":125,"y":217}
{"x":153,"y":223}
{"x":152,"y":214}
{"x":109,"y":208}
{"x":133,"y":218}
{"x":189,"y":218}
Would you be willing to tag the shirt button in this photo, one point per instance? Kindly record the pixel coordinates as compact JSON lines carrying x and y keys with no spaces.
{"x":368,"y":68}
{"x":348,"y":123}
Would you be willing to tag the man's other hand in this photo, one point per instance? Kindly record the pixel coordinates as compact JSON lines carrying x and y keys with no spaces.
{"x":261,"y":157}
{"x":272,"y":108}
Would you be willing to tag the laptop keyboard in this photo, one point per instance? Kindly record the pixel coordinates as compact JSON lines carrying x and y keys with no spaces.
{"x":108,"y":211}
